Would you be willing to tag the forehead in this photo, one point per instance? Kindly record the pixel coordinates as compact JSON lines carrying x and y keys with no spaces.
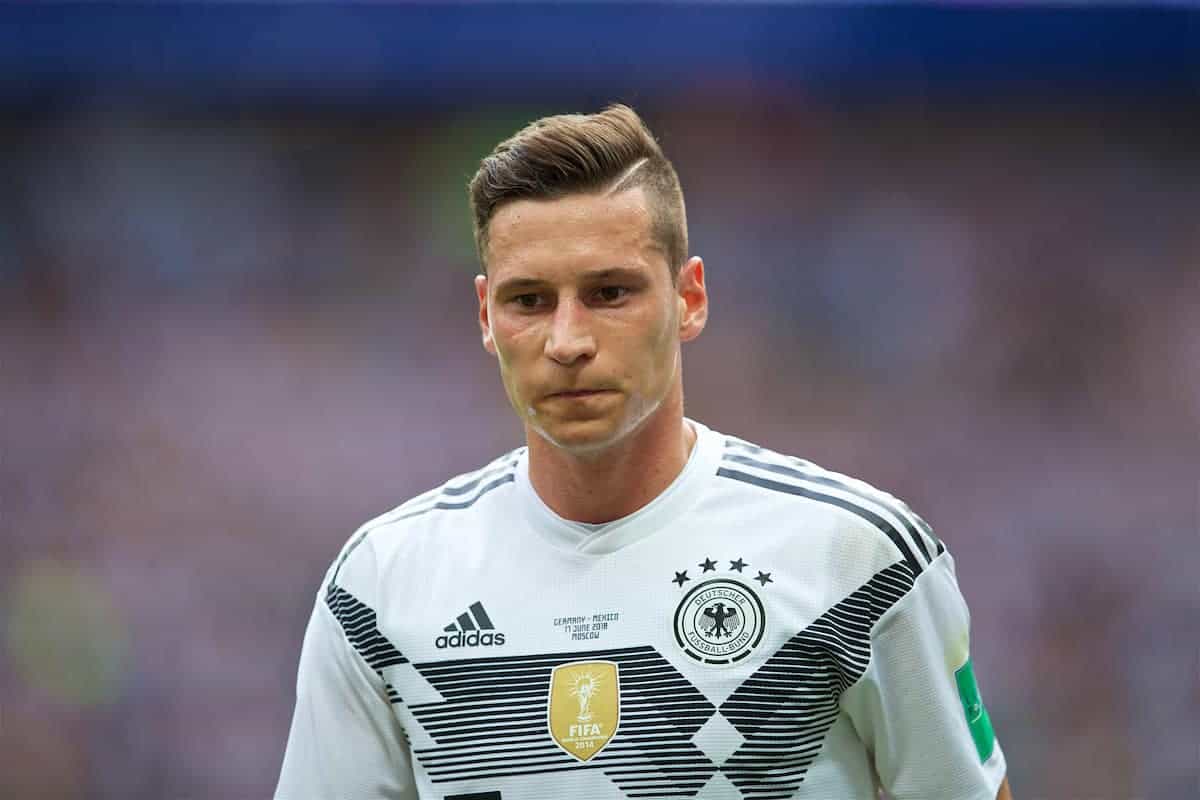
{"x":552,"y":239}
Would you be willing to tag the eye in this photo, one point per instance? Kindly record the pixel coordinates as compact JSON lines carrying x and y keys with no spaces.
{"x":526,"y":300}
{"x":611,"y":294}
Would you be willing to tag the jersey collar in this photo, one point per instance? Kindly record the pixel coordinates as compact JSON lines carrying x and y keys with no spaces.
{"x":609,"y":537}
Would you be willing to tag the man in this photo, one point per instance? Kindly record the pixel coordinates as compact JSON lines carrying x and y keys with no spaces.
{"x":632,"y":605}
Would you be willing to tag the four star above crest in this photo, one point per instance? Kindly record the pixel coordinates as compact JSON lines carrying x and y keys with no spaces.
{"x":708,"y":565}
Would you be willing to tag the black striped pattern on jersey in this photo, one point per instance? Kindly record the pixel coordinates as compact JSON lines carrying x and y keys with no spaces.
{"x":493,"y":723}
{"x":786,"y":708}
{"x":807,"y":480}
{"x":457,"y":493}
{"x":358,"y":622}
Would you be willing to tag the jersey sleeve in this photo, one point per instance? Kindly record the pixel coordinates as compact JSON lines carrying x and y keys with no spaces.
{"x":917,"y":706}
{"x":345,"y":743}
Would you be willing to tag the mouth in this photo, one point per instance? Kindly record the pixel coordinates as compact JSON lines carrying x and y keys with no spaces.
{"x":574,"y":394}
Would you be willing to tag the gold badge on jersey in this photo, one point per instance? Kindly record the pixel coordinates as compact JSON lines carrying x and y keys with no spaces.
{"x":585,"y":707}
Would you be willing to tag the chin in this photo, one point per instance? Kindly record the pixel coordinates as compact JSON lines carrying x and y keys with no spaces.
{"x":582,"y":437}
{"x":592,"y":435}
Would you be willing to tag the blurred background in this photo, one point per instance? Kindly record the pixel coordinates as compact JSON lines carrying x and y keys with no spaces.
{"x":953,"y":250}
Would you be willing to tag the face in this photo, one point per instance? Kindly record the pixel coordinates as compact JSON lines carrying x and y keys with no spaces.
{"x":579,"y":308}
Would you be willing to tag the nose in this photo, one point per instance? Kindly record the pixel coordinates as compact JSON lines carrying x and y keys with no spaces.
{"x":569,"y":339}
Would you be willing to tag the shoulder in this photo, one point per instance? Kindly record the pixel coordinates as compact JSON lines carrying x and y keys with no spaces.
{"x":362,"y":551}
{"x":884,"y":521}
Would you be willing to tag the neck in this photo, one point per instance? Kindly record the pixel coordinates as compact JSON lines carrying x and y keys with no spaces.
{"x":620,"y":480}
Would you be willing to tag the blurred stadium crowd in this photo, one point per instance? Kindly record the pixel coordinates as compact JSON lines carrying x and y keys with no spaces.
{"x":228,"y":339}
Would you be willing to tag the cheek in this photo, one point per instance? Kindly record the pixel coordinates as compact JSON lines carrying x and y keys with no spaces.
{"x":662,"y":336}
{"x":654,"y":350}
{"x":509,"y":341}
{"x":517,"y":347}
{"x":508,"y":376}
{"x":516,"y":335}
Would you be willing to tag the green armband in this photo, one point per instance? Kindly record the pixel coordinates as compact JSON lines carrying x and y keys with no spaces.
{"x":978,"y":721}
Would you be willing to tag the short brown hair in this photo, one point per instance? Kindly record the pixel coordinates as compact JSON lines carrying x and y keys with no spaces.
{"x":578,"y":153}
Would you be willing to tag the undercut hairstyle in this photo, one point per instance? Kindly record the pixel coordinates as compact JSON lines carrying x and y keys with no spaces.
{"x":603,"y":153}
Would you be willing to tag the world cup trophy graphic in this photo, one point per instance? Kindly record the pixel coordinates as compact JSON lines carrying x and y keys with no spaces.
{"x":585,"y":688}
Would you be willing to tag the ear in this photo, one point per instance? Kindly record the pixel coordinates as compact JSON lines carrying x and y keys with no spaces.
{"x":693,"y":299}
{"x":485,"y":325}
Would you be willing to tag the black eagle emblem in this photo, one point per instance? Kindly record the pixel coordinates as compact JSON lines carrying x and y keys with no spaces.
{"x":720,"y":621}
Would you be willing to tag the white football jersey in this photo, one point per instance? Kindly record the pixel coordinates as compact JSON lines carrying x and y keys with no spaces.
{"x":763,"y":629}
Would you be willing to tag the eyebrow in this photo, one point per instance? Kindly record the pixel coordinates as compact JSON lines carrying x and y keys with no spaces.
{"x":590,"y":276}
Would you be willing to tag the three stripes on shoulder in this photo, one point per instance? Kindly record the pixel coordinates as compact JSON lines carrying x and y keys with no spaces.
{"x":746,"y":462}
{"x":458,"y":493}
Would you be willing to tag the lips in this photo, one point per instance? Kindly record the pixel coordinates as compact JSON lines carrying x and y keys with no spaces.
{"x":579,"y":392}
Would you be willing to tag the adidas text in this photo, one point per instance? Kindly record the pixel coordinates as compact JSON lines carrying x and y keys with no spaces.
{"x":470,"y":639}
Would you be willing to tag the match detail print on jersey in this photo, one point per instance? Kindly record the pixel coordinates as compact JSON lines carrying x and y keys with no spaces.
{"x":584,"y":708}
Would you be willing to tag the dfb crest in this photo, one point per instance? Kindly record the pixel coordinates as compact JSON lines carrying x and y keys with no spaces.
{"x":719,"y":621}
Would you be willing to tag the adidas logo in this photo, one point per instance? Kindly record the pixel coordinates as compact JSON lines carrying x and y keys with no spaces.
{"x":472,"y":628}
